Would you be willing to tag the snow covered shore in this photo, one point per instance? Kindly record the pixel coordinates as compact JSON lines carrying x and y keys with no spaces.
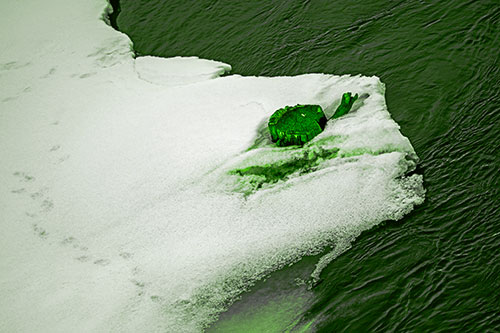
{"x":118,"y":208}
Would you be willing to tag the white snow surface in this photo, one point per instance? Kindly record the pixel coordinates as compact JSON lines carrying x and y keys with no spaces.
{"x":178,"y":71}
{"x":117,"y":207}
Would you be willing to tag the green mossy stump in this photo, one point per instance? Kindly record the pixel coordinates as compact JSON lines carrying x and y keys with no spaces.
{"x":296,"y":125}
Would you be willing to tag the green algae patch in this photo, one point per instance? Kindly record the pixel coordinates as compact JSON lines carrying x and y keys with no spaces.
{"x":362,"y":151}
{"x":305,"y":160}
{"x":254,"y":177}
{"x":275,"y":172}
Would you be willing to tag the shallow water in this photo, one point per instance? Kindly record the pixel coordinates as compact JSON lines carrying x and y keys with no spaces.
{"x":437,"y":269}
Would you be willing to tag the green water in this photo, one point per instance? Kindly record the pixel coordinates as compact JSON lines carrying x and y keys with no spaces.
{"x":436,"y":270}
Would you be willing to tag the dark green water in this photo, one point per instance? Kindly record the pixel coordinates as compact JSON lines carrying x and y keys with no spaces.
{"x":438,"y":269}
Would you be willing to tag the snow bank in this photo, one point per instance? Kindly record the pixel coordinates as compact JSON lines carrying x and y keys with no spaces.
{"x":178,"y":70}
{"x":120,"y":206}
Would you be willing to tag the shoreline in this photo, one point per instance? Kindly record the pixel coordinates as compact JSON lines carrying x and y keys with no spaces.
{"x":113,"y":16}
{"x":314,"y":264}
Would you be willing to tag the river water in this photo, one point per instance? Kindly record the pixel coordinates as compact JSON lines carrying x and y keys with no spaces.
{"x":438,"y":268}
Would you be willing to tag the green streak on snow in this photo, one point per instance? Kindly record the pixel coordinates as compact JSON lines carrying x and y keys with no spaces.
{"x":307,"y":159}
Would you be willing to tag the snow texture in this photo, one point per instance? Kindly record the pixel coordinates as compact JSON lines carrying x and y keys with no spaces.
{"x":118,"y":208}
{"x":178,"y":70}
